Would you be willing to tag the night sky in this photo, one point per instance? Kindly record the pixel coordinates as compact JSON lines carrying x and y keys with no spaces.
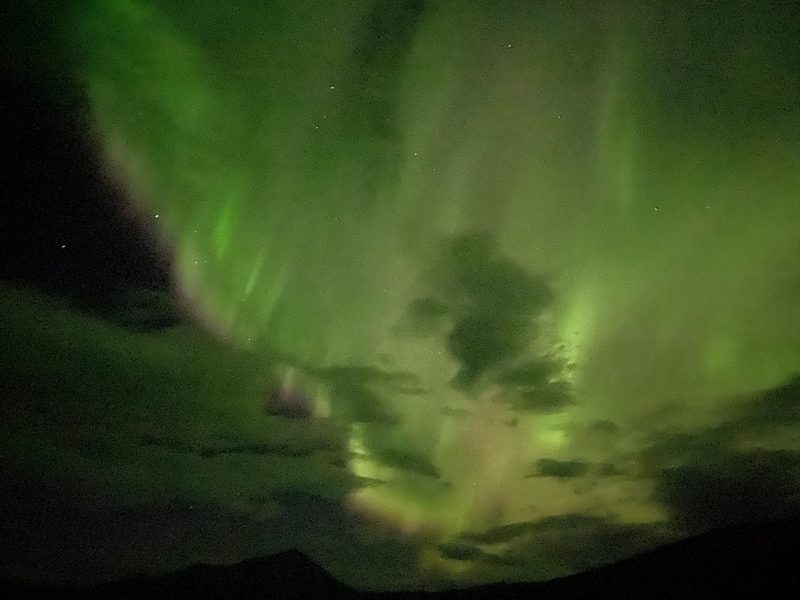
{"x":438,"y":292}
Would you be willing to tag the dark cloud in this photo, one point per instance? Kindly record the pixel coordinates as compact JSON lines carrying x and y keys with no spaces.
{"x":776,"y":407}
{"x":293,"y":448}
{"x":536,"y":386}
{"x":572,"y":542}
{"x":425,"y":316}
{"x":604,"y":427}
{"x":361,"y":404}
{"x":729,"y":473}
{"x":734,"y":488}
{"x":470,"y":552}
{"x":580,"y":542}
{"x":386,"y":35}
{"x":290,"y":403}
{"x":676,"y":449}
{"x":561,"y":469}
{"x":360,"y":391}
{"x":573,"y":521}
{"x":490,"y":305}
{"x":472,"y":275}
{"x":756,"y":417}
{"x":609,"y":469}
{"x":547,"y":399}
{"x":383,"y":39}
{"x":358,"y":138}
{"x":416,"y":463}
{"x":254,"y":450}
{"x":502,"y":533}
{"x":457,"y":551}
{"x":530,"y":374}
{"x":480,"y":341}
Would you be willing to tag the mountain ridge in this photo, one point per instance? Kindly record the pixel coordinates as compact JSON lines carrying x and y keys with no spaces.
{"x":760,"y":560}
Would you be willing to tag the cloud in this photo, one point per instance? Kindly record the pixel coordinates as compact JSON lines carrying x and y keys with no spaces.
{"x":293,"y":446}
{"x":480,"y":341}
{"x":528,"y":374}
{"x":560,"y":469}
{"x":547,"y":399}
{"x":290,"y":402}
{"x":485,"y":306}
{"x":472,"y":553}
{"x":609,"y":469}
{"x":501,"y":533}
{"x":368,"y":93}
{"x":565,"y":543}
{"x":361,"y":392}
{"x":458,"y":551}
{"x":149,"y":417}
{"x":254,"y":450}
{"x":580,"y":542}
{"x":605,"y":427}
{"x":424,"y":316}
{"x":508,"y":532}
{"x":776,"y":407}
{"x":754,"y":419}
{"x":739,"y":470}
{"x":472,"y":275}
{"x":408,"y":461}
{"x":737,"y":487}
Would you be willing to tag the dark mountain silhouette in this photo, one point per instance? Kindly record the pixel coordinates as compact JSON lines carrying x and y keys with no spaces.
{"x":286,"y":575}
{"x":742,"y":561}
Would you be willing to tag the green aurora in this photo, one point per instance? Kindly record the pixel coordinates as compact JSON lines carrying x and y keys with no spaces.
{"x":534,"y":263}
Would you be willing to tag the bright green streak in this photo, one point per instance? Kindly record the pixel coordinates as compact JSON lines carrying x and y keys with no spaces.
{"x":250,"y":192}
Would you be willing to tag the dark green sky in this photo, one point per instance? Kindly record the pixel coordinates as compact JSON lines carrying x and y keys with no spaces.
{"x":528,"y":271}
